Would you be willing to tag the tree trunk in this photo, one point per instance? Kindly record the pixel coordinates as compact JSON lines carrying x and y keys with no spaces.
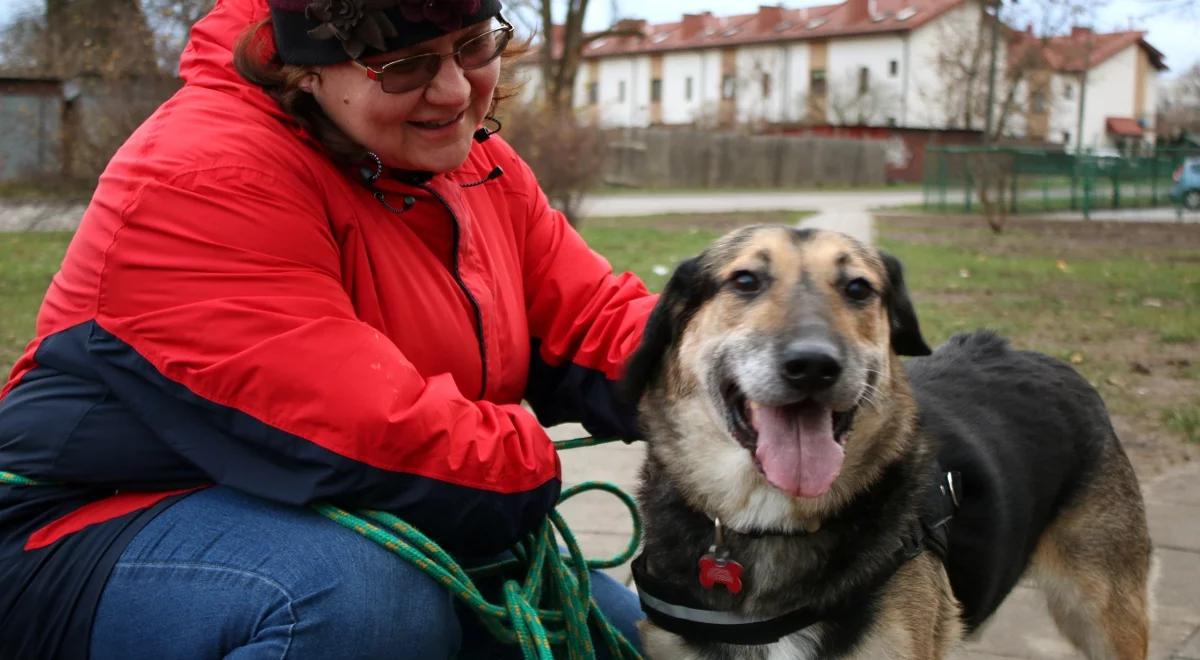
{"x":107,"y":38}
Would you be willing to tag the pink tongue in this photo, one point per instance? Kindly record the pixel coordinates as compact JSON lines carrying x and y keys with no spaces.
{"x":796,"y":448}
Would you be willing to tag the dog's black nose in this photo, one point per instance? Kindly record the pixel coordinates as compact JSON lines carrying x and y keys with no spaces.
{"x":811,"y":366}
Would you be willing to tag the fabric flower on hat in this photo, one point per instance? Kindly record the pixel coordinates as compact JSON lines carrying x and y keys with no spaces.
{"x":446,"y":14}
{"x":356,"y":23}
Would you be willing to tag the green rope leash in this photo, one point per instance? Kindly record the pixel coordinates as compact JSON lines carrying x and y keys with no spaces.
{"x":555,"y":592}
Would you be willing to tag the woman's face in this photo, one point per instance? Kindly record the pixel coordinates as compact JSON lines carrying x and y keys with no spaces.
{"x":427,"y":129}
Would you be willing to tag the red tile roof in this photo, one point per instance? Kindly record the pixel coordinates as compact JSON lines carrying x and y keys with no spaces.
{"x":772,"y":24}
{"x":1069,"y":53}
{"x":1123,"y":126}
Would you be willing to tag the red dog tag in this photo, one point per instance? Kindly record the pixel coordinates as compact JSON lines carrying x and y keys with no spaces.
{"x":725,"y":572}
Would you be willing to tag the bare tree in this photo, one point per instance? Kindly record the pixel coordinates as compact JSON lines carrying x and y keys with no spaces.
{"x":1018,"y":84}
{"x":106,"y":38}
{"x":566,"y":153}
{"x":172,"y":21}
{"x":562,"y":42}
{"x":1179,"y":107}
{"x":855,"y":99}
{"x":961,"y":66}
{"x":565,"y":150}
{"x":22,"y":44}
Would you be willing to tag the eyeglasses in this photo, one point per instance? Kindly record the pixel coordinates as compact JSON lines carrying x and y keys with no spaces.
{"x":409,"y":73}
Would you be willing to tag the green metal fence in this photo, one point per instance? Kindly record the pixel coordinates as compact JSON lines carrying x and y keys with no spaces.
{"x":1042,"y":181}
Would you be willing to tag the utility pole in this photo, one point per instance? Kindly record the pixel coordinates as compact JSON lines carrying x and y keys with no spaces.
{"x":991,"y":88}
{"x":1083,"y":81}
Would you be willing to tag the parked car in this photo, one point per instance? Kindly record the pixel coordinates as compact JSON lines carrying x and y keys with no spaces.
{"x":1186,"y":190}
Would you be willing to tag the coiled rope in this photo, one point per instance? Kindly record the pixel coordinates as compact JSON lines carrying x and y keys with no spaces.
{"x":551,"y":607}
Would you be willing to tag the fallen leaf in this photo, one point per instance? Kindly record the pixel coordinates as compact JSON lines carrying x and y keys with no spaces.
{"x":1151,"y":302}
{"x":964,"y":273}
{"x":1077,"y":358}
{"x":661,"y":270}
{"x":1139,"y":368}
{"x":1114,"y":381}
{"x":1062,"y":266}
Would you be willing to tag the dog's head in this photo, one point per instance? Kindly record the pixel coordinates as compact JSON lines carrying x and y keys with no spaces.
{"x":764,"y":349}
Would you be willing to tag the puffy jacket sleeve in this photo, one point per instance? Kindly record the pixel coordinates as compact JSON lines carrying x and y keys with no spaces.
{"x":223,"y":322}
{"x":585,"y":322}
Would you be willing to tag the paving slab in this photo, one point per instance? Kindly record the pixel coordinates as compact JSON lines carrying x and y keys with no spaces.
{"x":1022,"y":628}
{"x":1190,"y":649}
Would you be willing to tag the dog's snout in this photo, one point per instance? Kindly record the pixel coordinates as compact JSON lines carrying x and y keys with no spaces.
{"x":811,"y":366}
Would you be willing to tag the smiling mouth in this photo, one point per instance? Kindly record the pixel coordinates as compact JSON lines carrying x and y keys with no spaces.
{"x":433,"y":125}
{"x":798,"y":446}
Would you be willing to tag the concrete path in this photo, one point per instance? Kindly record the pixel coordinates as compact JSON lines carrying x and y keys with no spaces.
{"x":40,"y":216}
{"x":1022,"y":628}
{"x":845,"y":211}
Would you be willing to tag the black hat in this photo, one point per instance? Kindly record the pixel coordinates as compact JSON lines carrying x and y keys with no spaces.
{"x":332,"y":31}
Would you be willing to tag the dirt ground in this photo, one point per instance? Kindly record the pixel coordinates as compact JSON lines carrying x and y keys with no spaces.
{"x":1139,"y":376}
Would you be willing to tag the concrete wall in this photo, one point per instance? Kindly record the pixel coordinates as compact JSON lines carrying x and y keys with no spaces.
{"x":1109,"y":94}
{"x":624,"y":92}
{"x":31,"y":138}
{"x":703,"y":68}
{"x":925,"y":102}
{"x":884,"y":94}
{"x":675,"y":158}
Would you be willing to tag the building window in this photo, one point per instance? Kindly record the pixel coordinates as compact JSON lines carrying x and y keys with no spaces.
{"x":766,"y":84}
{"x":621,"y":91}
{"x":1068,"y":91}
{"x":728,"y":86}
{"x":1039,"y":102}
{"x":687,"y":88}
{"x":593,"y":93}
{"x":864,"y":80}
{"x":1066,"y":137}
{"x":656,"y":90}
{"x":891,"y":121}
{"x":816,"y":82}
{"x":893,"y":68}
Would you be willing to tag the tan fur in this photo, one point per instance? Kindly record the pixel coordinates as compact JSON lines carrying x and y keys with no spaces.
{"x":1096,"y":589}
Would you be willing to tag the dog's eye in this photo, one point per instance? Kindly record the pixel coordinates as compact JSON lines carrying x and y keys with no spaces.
{"x":859,"y":289}
{"x":745,"y":281}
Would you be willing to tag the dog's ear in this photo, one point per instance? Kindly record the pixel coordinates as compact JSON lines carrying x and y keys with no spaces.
{"x":906,"y":332}
{"x":683,"y":294}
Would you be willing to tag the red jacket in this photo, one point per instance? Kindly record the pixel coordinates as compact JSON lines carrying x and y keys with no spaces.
{"x":237,"y":309}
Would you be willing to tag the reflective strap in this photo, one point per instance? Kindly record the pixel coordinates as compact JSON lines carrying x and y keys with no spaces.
{"x":712,"y":617}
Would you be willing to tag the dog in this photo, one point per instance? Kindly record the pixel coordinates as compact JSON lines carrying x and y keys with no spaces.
{"x":806,"y":494}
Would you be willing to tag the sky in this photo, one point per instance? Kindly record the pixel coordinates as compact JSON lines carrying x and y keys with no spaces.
{"x":1172,"y":25}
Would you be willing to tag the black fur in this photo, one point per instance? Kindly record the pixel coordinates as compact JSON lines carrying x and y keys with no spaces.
{"x":906,"y":332}
{"x":688,"y":288}
{"x":1024,"y":430}
{"x":826,"y":570}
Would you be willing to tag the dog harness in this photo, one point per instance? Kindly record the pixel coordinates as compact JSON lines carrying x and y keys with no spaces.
{"x":673,"y":608}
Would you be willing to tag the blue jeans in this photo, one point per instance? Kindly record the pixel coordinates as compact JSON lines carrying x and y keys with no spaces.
{"x":221,"y":574}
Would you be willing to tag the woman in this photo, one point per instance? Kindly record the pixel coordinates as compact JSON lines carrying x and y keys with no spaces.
{"x":324,"y":285}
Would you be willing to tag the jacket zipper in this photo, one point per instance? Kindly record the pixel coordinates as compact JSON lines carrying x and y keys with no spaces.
{"x":456,"y":236}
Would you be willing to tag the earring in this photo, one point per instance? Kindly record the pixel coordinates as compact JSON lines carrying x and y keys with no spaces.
{"x":371,"y":175}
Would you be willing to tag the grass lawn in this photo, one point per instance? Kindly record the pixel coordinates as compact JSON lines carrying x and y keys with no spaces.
{"x":652,"y":246}
{"x":1121,"y":301}
{"x":27,"y":262}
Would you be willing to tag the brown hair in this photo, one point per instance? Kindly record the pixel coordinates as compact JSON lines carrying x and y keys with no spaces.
{"x":256,"y":61}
